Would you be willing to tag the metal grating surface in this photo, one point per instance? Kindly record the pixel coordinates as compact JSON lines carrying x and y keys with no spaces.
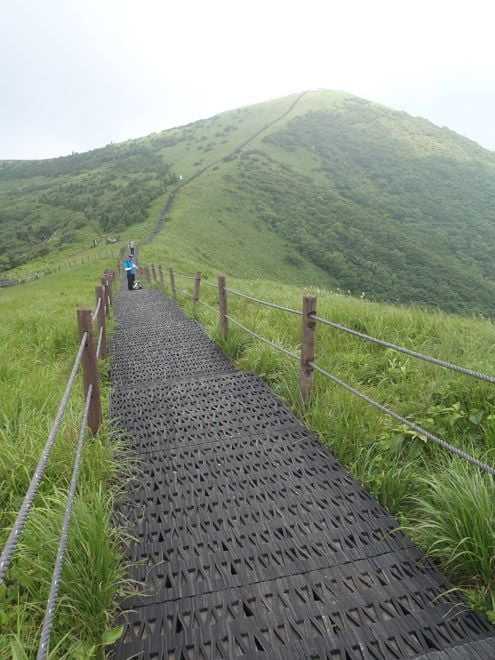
{"x":156,"y":337}
{"x":198,"y":411}
{"x":250,"y":539}
{"x":404,"y":610}
{"x":150,"y":366}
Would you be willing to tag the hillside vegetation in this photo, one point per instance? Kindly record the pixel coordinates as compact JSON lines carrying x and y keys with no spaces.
{"x":344,"y":193}
{"x":382,"y":203}
{"x":50,"y":204}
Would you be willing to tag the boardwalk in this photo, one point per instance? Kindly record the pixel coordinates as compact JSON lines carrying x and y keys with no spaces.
{"x":251,"y":540}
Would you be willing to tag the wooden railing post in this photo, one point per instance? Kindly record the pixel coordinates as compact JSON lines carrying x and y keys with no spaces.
{"x":101,"y":321}
{"x":197,"y":282}
{"x":90,"y":368}
{"x":222,"y":304}
{"x":172,"y":282}
{"x":109,"y":276}
{"x":160,"y":273}
{"x":153,"y":270}
{"x":146,"y":273}
{"x":104,"y":283}
{"x":106,"y":301}
{"x":306,"y":374}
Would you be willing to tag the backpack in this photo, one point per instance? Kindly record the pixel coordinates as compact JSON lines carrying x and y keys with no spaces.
{"x":137,"y":285}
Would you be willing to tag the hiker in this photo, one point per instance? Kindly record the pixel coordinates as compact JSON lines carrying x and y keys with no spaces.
{"x":130,"y":269}
{"x":131,"y":247}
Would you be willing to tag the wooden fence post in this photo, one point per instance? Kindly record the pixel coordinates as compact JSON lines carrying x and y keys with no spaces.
{"x":306,"y":374}
{"x":146,"y":273}
{"x":90,"y":368}
{"x":153,"y":270}
{"x":104,"y":283}
{"x":109,"y":276}
{"x":197,"y":282}
{"x":172,"y":282}
{"x":222,"y":304}
{"x":101,"y":322}
{"x":160,"y":273}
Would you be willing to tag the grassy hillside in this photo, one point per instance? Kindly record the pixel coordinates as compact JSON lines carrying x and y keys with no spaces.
{"x":320,"y":186}
{"x":48,"y":205}
{"x":383,"y":203}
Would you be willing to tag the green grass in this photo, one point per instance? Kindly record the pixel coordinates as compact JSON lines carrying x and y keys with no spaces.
{"x":445,"y":503}
{"x":38,"y":344}
{"x":227,"y":235}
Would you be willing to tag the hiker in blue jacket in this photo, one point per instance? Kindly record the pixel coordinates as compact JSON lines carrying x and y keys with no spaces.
{"x":130,"y":269}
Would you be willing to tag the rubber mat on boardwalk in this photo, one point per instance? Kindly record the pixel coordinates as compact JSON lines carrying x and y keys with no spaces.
{"x":250,"y":539}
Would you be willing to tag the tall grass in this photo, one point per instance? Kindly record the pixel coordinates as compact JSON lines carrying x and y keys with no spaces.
{"x":38,"y":344}
{"x":445,"y":503}
{"x":455,"y":518}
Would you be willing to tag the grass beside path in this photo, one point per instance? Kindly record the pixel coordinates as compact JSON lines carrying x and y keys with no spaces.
{"x":38,"y":344}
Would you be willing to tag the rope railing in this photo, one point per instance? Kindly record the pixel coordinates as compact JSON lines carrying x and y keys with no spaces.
{"x":52,"y":598}
{"x":184,"y":277}
{"x":308,"y":366}
{"x":205,"y":304}
{"x":406,"y":422}
{"x":215,"y":286}
{"x":184,"y":293}
{"x":407,"y":351}
{"x":95,"y":313}
{"x":17,"y":278}
{"x":100,"y":338}
{"x":264,"y":339}
{"x":17,"y":528}
{"x":264,"y":302}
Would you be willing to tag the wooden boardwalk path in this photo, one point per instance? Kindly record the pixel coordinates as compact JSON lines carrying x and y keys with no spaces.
{"x":251,"y":540}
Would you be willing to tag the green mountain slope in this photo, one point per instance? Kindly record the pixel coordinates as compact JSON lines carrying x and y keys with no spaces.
{"x":49,"y":204}
{"x":385,"y":204}
{"x":321,"y":188}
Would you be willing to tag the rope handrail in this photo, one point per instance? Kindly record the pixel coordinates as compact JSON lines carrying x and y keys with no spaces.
{"x":16,"y":530}
{"x":362,"y":335}
{"x":264,"y":302}
{"x":364,"y":397}
{"x":215,"y":286}
{"x":209,"y":306}
{"x":100,"y":337}
{"x":185,"y":277}
{"x":95,"y":313}
{"x":267,"y":341}
{"x":50,"y":606}
{"x":184,"y":293}
{"x":406,"y":422}
{"x":407,"y":351}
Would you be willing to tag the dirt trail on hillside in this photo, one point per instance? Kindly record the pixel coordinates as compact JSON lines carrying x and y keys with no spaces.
{"x":171,"y":198}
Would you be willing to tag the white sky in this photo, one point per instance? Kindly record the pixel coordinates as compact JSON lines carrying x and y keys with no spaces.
{"x":77,"y":74}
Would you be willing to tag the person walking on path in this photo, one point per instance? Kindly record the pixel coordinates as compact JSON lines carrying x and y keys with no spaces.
{"x":131,"y":248}
{"x":130,"y":269}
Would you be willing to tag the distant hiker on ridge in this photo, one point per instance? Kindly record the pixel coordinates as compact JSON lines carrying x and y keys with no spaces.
{"x":130,"y":269}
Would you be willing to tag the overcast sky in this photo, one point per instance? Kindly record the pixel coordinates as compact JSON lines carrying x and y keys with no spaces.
{"x":77,"y":74}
